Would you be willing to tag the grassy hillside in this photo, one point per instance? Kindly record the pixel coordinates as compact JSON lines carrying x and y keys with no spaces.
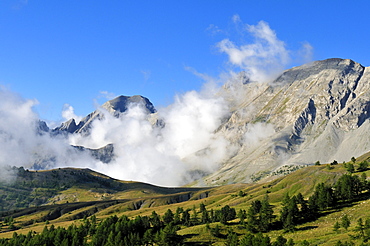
{"x":80,"y":193}
{"x":58,"y":186}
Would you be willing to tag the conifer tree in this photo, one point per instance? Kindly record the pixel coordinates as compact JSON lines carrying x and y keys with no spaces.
{"x":186,"y":218}
{"x":205,"y":217}
{"x":168,"y":217}
{"x":242,"y":215}
{"x":232,"y":239}
{"x":336,"y":227}
{"x":345,"y":222}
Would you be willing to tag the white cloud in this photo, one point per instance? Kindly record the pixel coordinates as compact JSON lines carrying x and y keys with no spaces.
{"x":146,"y":74}
{"x":107,"y":95}
{"x":68,"y":113}
{"x":236,"y":18}
{"x":305,"y":54}
{"x":213,"y":30}
{"x":23,"y":144}
{"x":163,"y":156}
{"x":255,"y":133}
{"x":262,"y":59}
{"x":266,"y":56}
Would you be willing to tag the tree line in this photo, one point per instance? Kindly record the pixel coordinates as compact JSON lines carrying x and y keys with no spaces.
{"x":155,"y":229}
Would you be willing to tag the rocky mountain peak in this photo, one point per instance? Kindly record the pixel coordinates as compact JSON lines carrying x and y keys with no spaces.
{"x":319,"y":112}
{"x":122,"y":103}
{"x":115,"y":107}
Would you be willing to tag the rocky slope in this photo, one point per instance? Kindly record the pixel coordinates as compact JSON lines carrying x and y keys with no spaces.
{"x":315,"y":112}
{"x":115,"y":107}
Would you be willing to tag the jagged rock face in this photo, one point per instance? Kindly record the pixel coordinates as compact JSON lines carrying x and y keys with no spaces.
{"x":115,"y":107}
{"x":318,"y":112}
{"x":104,"y":154}
{"x":121,"y":104}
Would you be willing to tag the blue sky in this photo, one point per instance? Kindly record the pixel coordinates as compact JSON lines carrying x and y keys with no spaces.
{"x":72,"y":52}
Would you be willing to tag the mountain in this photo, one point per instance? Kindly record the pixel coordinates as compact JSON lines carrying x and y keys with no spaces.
{"x":315,"y":112}
{"x":115,"y":107}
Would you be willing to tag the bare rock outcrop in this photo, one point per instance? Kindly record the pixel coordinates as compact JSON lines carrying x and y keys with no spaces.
{"x":319,"y":112}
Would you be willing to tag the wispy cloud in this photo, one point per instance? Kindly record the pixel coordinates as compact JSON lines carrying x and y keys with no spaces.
{"x":214,"y":30}
{"x":261,"y":59}
{"x":146,"y":74}
{"x":20,"y":4}
{"x":107,"y":95}
{"x":305,"y":54}
{"x":265,"y":55}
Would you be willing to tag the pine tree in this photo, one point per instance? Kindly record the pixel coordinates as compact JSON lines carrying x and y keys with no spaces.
{"x":194,"y":216}
{"x":176,"y":218}
{"x":227,"y":214}
{"x":360,"y":228}
{"x":289,"y":214}
{"x":155,"y":220}
{"x":232,"y":239}
{"x":350,"y":168}
{"x":242,"y":215}
{"x":280,"y":241}
{"x":363,"y":166}
{"x":290,"y":242}
{"x":265,"y":215}
{"x":345,"y":223}
{"x":252,"y":221}
{"x":168,"y":217}
{"x":205,"y":217}
{"x":148,"y":238}
{"x":169,"y":236}
{"x":186,"y":218}
{"x":336,"y":227}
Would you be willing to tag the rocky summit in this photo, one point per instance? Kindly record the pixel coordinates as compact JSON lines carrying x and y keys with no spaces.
{"x":115,"y":107}
{"x":315,"y":112}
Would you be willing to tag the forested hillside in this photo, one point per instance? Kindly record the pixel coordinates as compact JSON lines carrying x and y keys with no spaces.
{"x":317,"y":205}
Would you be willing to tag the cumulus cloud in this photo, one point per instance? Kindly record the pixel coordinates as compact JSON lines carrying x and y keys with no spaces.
{"x":24,"y":143}
{"x":262,"y":59}
{"x":266,"y":56}
{"x":68,"y":113}
{"x":167,"y":153}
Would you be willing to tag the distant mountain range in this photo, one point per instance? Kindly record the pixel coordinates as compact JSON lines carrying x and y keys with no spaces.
{"x":315,"y":112}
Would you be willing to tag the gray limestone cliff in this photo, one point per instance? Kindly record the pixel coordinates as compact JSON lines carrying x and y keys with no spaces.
{"x":319,"y":112}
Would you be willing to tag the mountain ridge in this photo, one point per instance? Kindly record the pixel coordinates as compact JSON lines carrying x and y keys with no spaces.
{"x":311,"y":109}
{"x":314,"y":112}
{"x":115,"y":106}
